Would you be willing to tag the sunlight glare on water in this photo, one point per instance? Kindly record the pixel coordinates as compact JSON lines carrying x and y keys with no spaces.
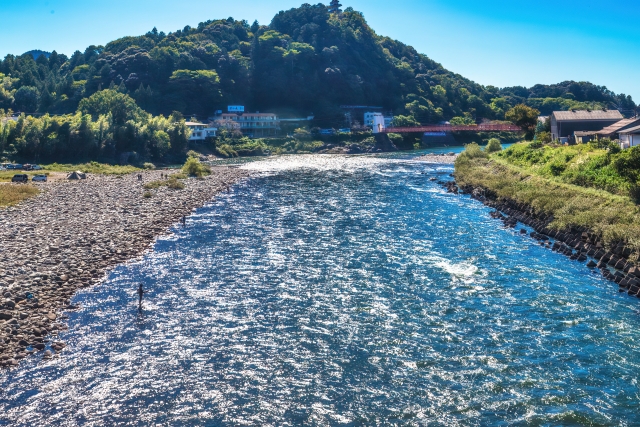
{"x":334,"y":290}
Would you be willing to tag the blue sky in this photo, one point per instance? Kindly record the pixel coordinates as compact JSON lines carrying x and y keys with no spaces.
{"x":494,"y":42}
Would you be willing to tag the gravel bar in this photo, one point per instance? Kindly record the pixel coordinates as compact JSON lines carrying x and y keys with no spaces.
{"x":435,"y":158}
{"x":67,"y":238}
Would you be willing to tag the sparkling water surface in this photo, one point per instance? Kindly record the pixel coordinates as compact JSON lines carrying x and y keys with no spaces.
{"x":329,"y":290}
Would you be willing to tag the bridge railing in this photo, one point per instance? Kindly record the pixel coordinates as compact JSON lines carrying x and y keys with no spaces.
{"x":454,"y":128}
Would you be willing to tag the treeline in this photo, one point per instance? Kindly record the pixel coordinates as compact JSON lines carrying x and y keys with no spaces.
{"x":108,"y":126}
{"x":307,"y":60}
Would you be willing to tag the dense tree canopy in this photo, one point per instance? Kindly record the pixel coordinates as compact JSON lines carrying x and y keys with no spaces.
{"x":107,"y":125}
{"x":306,"y":60}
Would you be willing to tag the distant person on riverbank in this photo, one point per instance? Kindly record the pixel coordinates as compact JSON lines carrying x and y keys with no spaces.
{"x":184,"y":221}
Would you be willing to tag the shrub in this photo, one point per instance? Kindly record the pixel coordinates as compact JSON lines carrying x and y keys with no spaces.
{"x":613,"y":148}
{"x":493,"y":146}
{"x":192,"y":153}
{"x":149,"y":166}
{"x":226,"y":151}
{"x":543,"y":137}
{"x":172,"y":183}
{"x":147,"y":195}
{"x":193,"y":167}
{"x":473,"y":151}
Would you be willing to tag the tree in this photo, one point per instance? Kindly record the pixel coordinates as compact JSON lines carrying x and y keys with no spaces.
{"x":26,"y":99}
{"x":493,"y":146}
{"x":404,"y":121}
{"x":121,"y":106}
{"x":525,"y":117}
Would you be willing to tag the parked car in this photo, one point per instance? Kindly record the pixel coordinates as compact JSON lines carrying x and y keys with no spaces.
{"x":20,"y":178}
{"x":39,"y":178}
{"x":27,"y":167}
{"x":36,"y":167}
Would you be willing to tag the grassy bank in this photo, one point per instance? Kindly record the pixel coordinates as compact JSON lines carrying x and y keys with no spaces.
{"x":92,"y":167}
{"x":547,"y":178}
{"x":11,"y":194}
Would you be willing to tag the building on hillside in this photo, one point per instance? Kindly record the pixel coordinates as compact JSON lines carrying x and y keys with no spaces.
{"x":255,"y":125}
{"x":629,"y":137}
{"x":370,"y":117}
{"x":582,"y":137}
{"x":200,"y":131}
{"x":565,"y":123}
{"x":612,"y":132}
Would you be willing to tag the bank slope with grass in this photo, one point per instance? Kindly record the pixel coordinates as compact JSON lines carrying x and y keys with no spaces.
{"x":587,"y":191}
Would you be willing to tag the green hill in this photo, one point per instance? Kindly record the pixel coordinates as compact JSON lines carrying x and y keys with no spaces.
{"x":306,"y":60}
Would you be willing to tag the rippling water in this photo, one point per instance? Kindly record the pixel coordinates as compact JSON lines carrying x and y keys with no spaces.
{"x":341,"y":291}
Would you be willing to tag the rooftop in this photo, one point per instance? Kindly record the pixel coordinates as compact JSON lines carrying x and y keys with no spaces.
{"x":587,"y":115}
{"x":635,"y":129}
{"x":619,"y":125}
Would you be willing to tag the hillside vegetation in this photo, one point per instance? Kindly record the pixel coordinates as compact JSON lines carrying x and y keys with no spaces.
{"x":306,"y":60}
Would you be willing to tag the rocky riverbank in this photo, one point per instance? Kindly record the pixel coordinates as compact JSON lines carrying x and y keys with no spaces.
{"x":67,"y":237}
{"x":449,"y":158}
{"x":616,"y":262}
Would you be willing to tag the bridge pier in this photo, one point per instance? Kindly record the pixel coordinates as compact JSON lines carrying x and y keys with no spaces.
{"x":383,"y":143}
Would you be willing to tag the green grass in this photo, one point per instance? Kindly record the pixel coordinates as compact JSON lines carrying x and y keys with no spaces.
{"x":11,"y":194}
{"x":584,"y":165}
{"x":173,"y":183}
{"x":528,"y":179}
{"x":93,"y":167}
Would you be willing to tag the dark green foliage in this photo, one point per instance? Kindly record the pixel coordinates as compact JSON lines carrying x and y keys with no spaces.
{"x":567,"y":95}
{"x":107,"y":125}
{"x":306,"y":60}
{"x":525,"y":117}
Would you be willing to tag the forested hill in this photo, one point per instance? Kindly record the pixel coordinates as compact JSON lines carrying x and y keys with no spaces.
{"x":307,"y":60}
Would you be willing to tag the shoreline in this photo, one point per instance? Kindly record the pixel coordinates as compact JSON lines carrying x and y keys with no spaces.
{"x":69,"y":236}
{"x":577,"y":243}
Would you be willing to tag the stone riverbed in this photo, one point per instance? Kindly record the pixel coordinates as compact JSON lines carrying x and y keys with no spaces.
{"x":68,"y":236}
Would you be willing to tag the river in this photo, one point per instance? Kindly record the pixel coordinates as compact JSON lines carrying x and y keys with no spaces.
{"x":330,"y":290}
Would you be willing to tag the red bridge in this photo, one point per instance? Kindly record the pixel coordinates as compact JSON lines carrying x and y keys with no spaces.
{"x":454,"y":128}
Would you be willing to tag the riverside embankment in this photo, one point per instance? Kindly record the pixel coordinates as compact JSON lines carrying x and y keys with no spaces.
{"x":585,"y":224}
{"x":69,"y":235}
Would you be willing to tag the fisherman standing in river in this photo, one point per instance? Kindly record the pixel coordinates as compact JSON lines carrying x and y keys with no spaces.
{"x":141,"y":292}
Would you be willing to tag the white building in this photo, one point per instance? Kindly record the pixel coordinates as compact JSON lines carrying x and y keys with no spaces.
{"x":200,"y":131}
{"x":254,"y":124}
{"x":630,"y":137}
{"x":378,"y":123}
{"x":369,"y":119}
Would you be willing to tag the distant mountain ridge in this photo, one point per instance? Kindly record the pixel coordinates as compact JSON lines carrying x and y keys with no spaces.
{"x":307,"y":60}
{"x":37,"y":53}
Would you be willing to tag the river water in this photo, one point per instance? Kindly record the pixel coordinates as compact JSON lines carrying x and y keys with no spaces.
{"x":330,"y":290}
